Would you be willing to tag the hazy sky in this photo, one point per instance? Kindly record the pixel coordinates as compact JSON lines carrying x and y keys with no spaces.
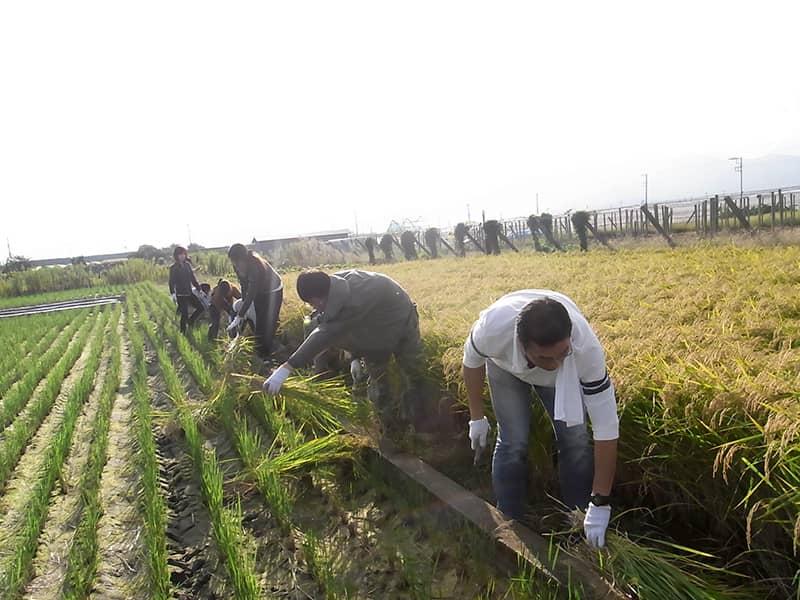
{"x":122,"y":123}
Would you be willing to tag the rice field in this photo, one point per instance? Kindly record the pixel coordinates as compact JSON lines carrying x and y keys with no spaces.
{"x":137,"y":462}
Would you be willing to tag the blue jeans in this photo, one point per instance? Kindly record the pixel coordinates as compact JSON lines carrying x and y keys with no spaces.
{"x":511,"y":400}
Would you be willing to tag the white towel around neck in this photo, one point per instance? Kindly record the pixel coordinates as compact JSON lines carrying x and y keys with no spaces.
{"x":569,"y":400}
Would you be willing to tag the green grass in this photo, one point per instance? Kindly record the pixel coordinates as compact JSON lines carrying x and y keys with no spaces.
{"x":57,"y":296}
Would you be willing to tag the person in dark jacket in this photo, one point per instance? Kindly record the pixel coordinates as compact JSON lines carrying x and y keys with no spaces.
{"x":261,"y":287}
{"x":222,"y":297}
{"x":181,"y":282}
{"x":369,"y":315}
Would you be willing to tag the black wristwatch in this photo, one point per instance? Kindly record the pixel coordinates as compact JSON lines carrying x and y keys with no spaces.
{"x":600,"y":500}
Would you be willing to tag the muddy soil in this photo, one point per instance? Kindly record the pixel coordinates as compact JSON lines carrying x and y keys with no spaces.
{"x":195,"y":567}
{"x":121,"y":570}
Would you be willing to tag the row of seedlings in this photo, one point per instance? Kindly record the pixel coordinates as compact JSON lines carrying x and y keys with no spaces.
{"x":82,"y":559}
{"x":22,"y":539}
{"x":23,"y":341}
{"x":322,"y":407}
{"x":153,"y":506}
{"x":41,"y":365}
{"x":37,"y":405}
{"x":225,"y":520}
{"x":288,"y":453}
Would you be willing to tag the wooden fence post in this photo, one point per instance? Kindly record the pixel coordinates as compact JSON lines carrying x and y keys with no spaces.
{"x":657,"y":226}
{"x":705,"y":218}
{"x":737,"y":211}
{"x":772,"y":211}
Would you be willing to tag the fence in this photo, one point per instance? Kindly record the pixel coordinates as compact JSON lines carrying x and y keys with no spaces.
{"x":706,"y":217}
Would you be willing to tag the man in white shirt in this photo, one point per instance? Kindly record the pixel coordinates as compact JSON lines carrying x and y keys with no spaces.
{"x":538,"y":339}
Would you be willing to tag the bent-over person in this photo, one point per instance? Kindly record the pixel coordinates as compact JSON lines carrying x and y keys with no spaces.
{"x":538,"y":340}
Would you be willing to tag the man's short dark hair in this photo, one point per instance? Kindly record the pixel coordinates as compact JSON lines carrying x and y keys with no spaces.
{"x":237,"y":252}
{"x":543,"y":322}
{"x":205,"y":287}
{"x":313,"y":284}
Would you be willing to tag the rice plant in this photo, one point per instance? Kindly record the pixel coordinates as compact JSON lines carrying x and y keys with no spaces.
{"x":82,"y":558}
{"x":17,"y":397}
{"x":153,"y":505}
{"x":15,"y":571}
{"x":16,"y":438}
{"x":225,"y":520}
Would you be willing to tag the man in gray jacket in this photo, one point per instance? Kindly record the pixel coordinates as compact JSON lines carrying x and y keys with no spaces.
{"x":369,"y":315}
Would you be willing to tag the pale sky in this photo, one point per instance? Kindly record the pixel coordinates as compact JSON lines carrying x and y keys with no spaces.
{"x":124,"y":123}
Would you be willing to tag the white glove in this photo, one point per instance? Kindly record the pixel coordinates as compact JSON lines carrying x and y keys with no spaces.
{"x":357,"y":371}
{"x":175,"y":298}
{"x":234,"y":324}
{"x":595,"y":524}
{"x":272,"y":385}
{"x":478,"y":433}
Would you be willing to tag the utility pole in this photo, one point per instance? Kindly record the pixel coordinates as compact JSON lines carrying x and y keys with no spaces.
{"x":645,"y":188}
{"x":8,"y":243}
{"x":737,"y":166}
{"x":355,"y":216}
{"x":189,"y":231}
{"x":468,"y":217}
{"x":537,"y":203}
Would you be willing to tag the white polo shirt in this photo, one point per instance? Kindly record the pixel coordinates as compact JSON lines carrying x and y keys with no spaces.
{"x":581,"y":381}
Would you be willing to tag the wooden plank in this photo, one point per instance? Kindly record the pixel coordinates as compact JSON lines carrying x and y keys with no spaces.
{"x":511,"y":536}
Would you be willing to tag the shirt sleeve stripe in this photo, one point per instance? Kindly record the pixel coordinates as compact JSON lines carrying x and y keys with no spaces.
{"x":474,"y":347}
{"x":597,"y":390}
{"x":591,"y":384}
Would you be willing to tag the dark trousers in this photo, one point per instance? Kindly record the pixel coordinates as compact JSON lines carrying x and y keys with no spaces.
{"x":268,"y":310}
{"x":410,"y":357}
{"x":183,"y":306}
{"x":214,"y":317}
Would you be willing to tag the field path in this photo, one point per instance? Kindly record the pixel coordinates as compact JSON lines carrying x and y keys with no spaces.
{"x":50,"y":563}
{"x":121,"y":563}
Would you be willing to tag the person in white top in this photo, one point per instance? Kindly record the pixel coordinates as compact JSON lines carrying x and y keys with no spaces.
{"x":538,"y":339}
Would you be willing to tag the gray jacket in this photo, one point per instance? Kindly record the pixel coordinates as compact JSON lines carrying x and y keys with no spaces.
{"x":366,"y":314}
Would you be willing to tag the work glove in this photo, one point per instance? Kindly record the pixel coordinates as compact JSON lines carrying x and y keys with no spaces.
{"x":175,"y":298}
{"x":234,"y":324}
{"x":479,"y":433}
{"x":595,"y":524}
{"x":357,"y":371}
{"x":272,"y":385}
